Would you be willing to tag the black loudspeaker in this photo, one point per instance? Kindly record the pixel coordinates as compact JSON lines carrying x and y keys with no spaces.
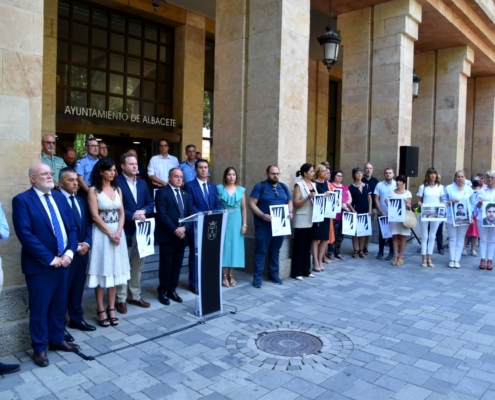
{"x":408,"y":164}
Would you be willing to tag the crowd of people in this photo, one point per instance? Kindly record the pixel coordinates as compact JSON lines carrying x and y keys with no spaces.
{"x":77,"y":228}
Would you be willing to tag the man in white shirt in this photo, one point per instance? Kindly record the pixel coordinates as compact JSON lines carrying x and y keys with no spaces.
{"x":382,"y":191}
{"x":161,"y":164}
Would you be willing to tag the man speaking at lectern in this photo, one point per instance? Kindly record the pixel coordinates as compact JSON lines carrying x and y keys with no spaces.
{"x":172,"y":203}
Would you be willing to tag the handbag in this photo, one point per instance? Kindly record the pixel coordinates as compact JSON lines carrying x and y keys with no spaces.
{"x":411,"y":220}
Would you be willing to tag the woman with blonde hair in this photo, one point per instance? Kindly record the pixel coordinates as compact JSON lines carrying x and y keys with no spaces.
{"x":431,"y":193}
{"x":321,"y":230}
{"x":457,"y":194}
{"x":487,"y":234}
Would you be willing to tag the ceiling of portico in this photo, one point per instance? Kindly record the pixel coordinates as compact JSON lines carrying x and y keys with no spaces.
{"x":445,"y":24}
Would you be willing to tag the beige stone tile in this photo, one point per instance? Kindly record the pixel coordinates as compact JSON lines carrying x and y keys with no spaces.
{"x":264,"y":16}
{"x":13,"y":122}
{"x":22,"y":74}
{"x":16,"y":29}
{"x":38,"y":34}
{"x":1,"y":71}
{"x":294,"y":45}
{"x":263,"y":95}
{"x":229,"y":21}
{"x":195,"y":20}
{"x":265,"y":44}
{"x":295,"y":19}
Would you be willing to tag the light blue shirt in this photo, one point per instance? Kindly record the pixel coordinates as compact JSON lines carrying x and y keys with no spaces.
{"x":4,"y":226}
{"x":85,"y":166}
{"x":188,"y":170}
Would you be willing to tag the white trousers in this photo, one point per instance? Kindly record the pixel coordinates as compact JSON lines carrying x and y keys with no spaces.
{"x":487,"y":241}
{"x":428,"y":239}
{"x":456,"y":240}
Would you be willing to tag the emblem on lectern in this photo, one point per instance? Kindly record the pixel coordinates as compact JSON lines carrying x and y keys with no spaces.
{"x":212,"y":230}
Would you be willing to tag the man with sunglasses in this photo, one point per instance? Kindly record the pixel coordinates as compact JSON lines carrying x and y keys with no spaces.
{"x":49,"y":158}
{"x":271,"y":192}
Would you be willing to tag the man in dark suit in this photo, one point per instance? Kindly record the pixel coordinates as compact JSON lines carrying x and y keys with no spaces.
{"x":204,"y":197}
{"x":137,"y":204}
{"x":69,"y":186}
{"x":172,"y":203}
{"x":46,"y":229}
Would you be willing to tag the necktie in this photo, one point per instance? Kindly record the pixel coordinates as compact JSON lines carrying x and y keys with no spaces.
{"x":56,"y":225}
{"x":179,"y":202}
{"x":205,"y":193}
{"x":75,"y":211}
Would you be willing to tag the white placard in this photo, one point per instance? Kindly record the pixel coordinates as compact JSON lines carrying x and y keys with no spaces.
{"x":488,"y":214}
{"x":364,"y":227}
{"x":384,"y":227}
{"x":331,"y":205}
{"x":145,"y":237}
{"x":460,"y":213}
{"x":396,"y":210}
{"x":349,"y":223}
{"x":338,"y":193}
{"x":431,"y":212}
{"x":280,"y":220}
{"x":319,"y":208}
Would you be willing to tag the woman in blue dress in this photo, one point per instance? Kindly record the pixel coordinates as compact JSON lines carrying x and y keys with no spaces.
{"x":233,"y":198}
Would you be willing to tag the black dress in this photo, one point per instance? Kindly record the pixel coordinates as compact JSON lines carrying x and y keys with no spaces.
{"x":321,"y":230}
{"x":360,"y":199}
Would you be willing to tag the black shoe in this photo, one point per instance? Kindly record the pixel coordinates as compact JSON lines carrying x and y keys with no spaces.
{"x":276,"y":279}
{"x":379,"y":256}
{"x":441,"y":251}
{"x":365,"y":251}
{"x":64,"y":346}
{"x":9,"y":368}
{"x":163,"y":299}
{"x":390,"y":256}
{"x":192,"y":289}
{"x":68,"y":337}
{"x":82,"y":326}
{"x":174,"y":296}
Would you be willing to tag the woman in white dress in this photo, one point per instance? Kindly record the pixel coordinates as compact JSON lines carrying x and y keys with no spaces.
{"x":108,"y":260}
{"x":397,"y":229}
{"x":430,"y":193}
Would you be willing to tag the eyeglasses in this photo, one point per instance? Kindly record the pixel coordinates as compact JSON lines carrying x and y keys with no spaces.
{"x":275,"y":191}
{"x":45,"y":174}
{"x":338,"y":176}
{"x":44,"y":141}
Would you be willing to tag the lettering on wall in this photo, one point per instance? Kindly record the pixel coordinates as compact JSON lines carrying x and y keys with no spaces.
{"x":118,"y":116}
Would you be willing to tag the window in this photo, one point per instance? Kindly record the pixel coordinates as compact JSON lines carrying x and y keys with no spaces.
{"x":109,"y":60}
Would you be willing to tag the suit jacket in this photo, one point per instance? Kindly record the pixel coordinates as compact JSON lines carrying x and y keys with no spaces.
{"x":198,"y":201}
{"x":85,"y":232}
{"x":144,"y":202}
{"x":34,"y":230}
{"x":168,"y":214}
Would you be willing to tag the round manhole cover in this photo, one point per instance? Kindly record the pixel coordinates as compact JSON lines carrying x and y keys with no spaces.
{"x":289,"y":343}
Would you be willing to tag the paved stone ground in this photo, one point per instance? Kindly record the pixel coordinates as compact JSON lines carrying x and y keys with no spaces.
{"x":387,"y":332}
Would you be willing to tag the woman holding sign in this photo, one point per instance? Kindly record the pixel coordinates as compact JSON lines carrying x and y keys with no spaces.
{"x":397,"y":229}
{"x":321,"y":230}
{"x":456,"y":198}
{"x":430,"y":193}
{"x":361,"y":202}
{"x":304,"y":192}
{"x":485,"y":205}
{"x":334,"y":248}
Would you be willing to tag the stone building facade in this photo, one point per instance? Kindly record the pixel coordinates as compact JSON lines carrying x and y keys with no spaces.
{"x":274,"y":101}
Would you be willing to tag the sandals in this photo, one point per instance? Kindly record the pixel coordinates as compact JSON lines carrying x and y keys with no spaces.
{"x":430,"y":264}
{"x":400,"y":261}
{"x":355,"y":255}
{"x":424,"y":264}
{"x":482,"y":264}
{"x":105,"y":323}
{"x":361,"y":254}
{"x":395,"y":261}
{"x":232,"y":281}
{"x":489,"y":265}
{"x":113,"y":321}
{"x":225,"y":281}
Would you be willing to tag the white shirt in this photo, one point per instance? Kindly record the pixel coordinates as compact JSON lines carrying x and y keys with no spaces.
{"x":159,"y":166}
{"x":42,"y":197}
{"x":132,"y":185}
{"x":202,"y":187}
{"x":383,"y":189}
{"x":68,"y":196}
{"x":431,"y":195}
{"x":178,"y":195}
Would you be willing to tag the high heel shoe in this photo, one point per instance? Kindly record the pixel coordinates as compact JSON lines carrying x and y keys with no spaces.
{"x":395,"y":260}
{"x":482,"y":264}
{"x":113,"y":320}
{"x":489,"y":265}
{"x":232,"y":281}
{"x":401,"y":261}
{"x":105,"y":323}
{"x":355,"y":255}
{"x":361,"y":254}
{"x":225,"y":281}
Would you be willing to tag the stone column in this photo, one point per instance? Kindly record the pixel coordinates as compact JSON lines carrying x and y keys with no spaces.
{"x":453,"y":69}
{"x":316,"y":150}
{"x":484,"y":125}
{"x":395,"y":28}
{"x":21,"y":70}
{"x":468,"y":144}
{"x":355,"y":28}
{"x":423,"y":115}
{"x":189,"y":75}
{"x":261,"y":91}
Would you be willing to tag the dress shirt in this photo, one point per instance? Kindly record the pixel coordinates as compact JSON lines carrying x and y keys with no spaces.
{"x":42,"y":197}
{"x":132,"y":183}
{"x":159,"y":166}
{"x":68,"y":196}
{"x":484,"y":194}
{"x":383,"y":190}
{"x":84,"y":167}
{"x":188,"y":170}
{"x":56,"y":163}
{"x":202,"y":187}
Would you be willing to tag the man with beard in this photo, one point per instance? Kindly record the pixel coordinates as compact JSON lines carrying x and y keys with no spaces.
{"x":268,"y":193}
{"x":48,"y":156}
{"x":45,"y":227}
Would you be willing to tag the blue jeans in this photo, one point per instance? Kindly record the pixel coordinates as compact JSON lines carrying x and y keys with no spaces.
{"x":266,"y":243}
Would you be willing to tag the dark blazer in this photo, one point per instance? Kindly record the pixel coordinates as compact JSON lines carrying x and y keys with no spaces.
{"x":84,"y":233}
{"x":34,"y":230}
{"x":198,"y":202}
{"x":167,"y":214}
{"x":144,"y":202}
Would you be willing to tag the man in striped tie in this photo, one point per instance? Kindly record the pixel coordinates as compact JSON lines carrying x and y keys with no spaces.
{"x":45,"y":227}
